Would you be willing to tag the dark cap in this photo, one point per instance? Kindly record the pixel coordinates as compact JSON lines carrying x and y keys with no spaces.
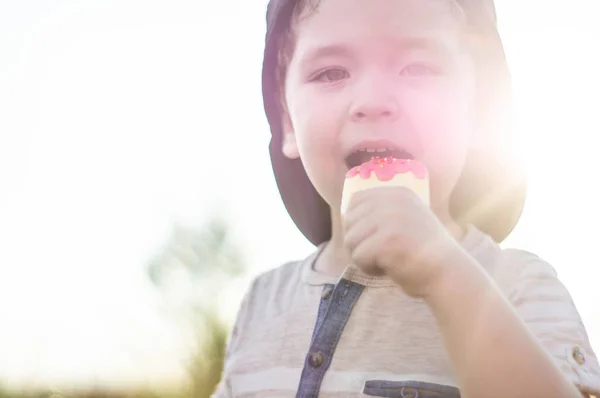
{"x":490,"y":193}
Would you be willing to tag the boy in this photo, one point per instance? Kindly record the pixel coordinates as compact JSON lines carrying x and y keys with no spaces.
{"x":400,"y":299}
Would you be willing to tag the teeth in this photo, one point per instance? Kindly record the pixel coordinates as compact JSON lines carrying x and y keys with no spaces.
{"x":375,"y":149}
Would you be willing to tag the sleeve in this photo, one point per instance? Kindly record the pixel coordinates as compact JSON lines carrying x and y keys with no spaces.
{"x":223,"y":389}
{"x":547,"y":308}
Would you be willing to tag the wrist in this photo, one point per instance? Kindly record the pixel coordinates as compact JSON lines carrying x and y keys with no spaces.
{"x":461,"y":276}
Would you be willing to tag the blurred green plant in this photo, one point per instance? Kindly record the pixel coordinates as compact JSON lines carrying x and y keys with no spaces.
{"x":192,"y":270}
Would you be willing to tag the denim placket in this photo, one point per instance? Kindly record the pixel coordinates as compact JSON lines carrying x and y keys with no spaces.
{"x":323,"y":305}
{"x":332,"y":319}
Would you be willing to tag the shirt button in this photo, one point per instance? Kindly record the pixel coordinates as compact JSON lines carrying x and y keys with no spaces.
{"x":315,"y":359}
{"x":326,"y":293}
{"x":578,"y":356}
{"x":409,"y":393}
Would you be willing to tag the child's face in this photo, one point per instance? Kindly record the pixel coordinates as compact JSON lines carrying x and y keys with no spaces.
{"x":376,"y":74}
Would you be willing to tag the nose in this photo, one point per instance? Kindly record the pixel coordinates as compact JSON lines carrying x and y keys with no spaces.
{"x":375,"y":100}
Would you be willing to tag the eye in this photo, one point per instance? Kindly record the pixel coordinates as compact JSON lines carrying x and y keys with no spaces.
{"x":330,"y":75}
{"x":417,"y":70}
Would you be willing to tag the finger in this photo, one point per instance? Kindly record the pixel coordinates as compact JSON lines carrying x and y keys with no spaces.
{"x":366,"y":195}
{"x":391,"y":210}
{"x":356,"y":200}
{"x":364,"y":255}
{"x":358,"y":231}
{"x":369,"y":201}
{"x":400,"y":196}
{"x":357,"y":213}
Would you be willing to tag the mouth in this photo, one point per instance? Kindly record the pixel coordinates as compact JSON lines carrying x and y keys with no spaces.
{"x":363,"y":155}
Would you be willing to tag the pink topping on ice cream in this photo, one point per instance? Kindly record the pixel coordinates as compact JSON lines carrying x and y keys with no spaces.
{"x":386,"y":168}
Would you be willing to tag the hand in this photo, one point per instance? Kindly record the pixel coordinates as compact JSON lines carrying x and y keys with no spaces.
{"x":390,"y":230}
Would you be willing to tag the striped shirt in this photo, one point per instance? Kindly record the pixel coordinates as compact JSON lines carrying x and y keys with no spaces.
{"x":302,"y":332}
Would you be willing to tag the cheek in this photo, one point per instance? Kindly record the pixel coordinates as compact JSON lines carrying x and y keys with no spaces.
{"x":317,"y":122}
{"x":443,"y":120}
{"x":315,"y":125}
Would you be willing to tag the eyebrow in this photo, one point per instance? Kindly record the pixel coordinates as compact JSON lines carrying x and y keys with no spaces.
{"x":403,"y":45}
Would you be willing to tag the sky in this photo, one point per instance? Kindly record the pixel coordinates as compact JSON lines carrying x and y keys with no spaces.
{"x":118,"y":117}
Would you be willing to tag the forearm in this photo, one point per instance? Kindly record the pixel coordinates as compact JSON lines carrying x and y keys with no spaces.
{"x":492,"y":352}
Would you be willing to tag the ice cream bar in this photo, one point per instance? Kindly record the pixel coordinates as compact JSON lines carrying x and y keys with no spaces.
{"x":386,"y":172}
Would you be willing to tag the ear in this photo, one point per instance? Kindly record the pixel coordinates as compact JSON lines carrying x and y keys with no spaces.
{"x":290,"y":146}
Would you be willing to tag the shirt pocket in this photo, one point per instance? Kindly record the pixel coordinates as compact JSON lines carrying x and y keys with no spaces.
{"x":408,"y":389}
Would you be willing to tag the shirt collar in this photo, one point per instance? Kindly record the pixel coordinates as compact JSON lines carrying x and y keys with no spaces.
{"x":474,"y":242}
